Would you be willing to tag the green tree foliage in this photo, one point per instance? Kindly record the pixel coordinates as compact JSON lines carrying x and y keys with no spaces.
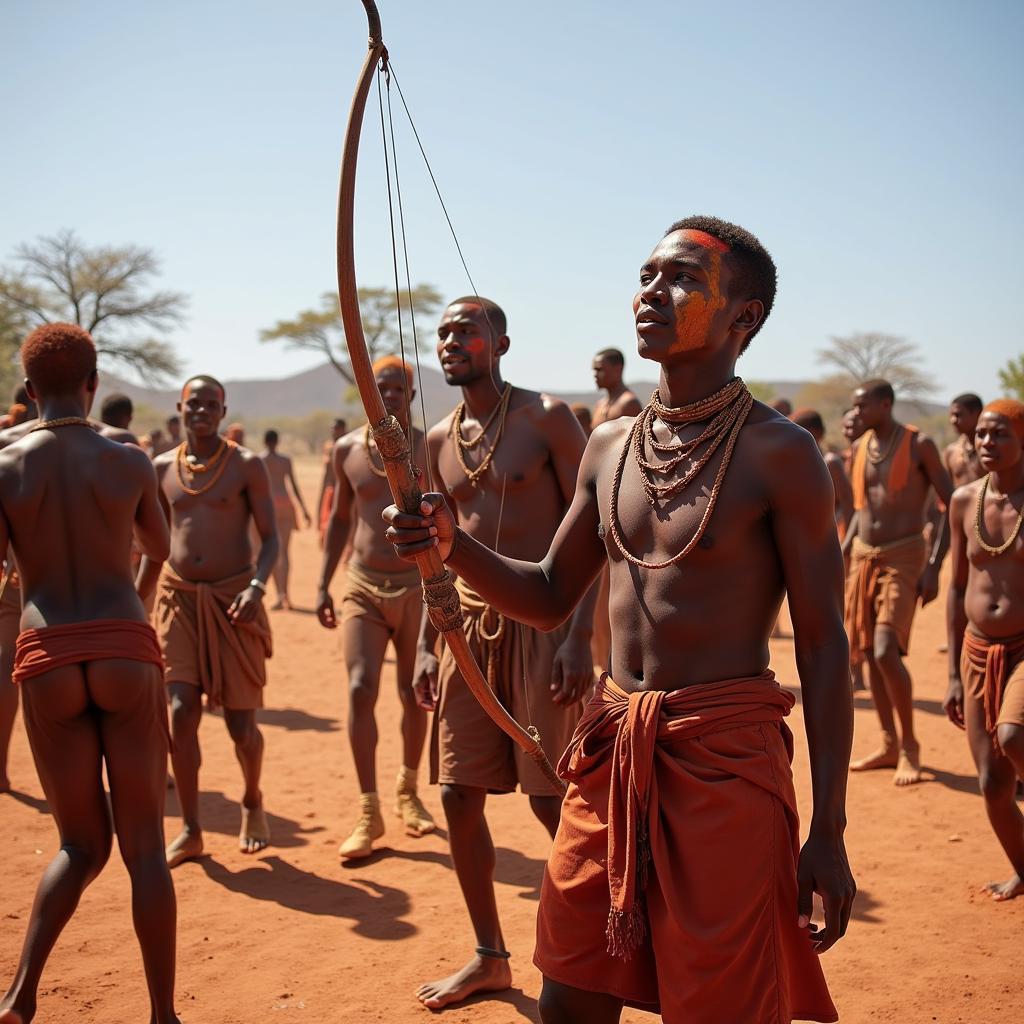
{"x":1011,"y":378}
{"x":866,"y":355}
{"x":319,"y":330}
{"x":105,"y":289}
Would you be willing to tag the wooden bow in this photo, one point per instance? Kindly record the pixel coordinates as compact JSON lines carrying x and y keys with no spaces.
{"x":439,"y":594}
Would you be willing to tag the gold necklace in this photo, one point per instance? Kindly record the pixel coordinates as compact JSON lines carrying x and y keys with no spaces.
{"x":461,"y":444}
{"x":194,"y":465}
{"x":733,"y":399}
{"x":62,"y":421}
{"x":227,"y":447}
{"x":369,"y":453}
{"x":875,"y":459}
{"x":979,"y":515}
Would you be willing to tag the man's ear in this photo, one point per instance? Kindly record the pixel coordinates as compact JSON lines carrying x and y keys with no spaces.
{"x":750,"y":316}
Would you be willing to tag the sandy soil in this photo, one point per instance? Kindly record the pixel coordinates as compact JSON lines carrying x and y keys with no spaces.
{"x":293,"y":936}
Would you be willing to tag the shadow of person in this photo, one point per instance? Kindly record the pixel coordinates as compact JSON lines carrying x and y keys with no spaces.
{"x":35,"y":802}
{"x":515,"y":998}
{"x":958,"y":783}
{"x":515,"y":868}
{"x":864,"y":907}
{"x":377,"y":910}
{"x":219,"y":814}
{"x":295,"y":720}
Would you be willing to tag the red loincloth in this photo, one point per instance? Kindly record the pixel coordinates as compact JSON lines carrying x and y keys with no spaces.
{"x":672,"y":879}
{"x":40,"y":650}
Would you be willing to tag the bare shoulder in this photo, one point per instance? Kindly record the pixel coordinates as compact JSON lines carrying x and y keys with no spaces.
{"x":965,"y":497}
{"x":608,"y":437}
{"x":786,"y":454}
{"x":552,"y":409}
{"x":439,"y":431}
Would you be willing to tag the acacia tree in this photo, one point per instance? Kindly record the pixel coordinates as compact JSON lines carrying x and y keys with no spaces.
{"x":105,"y":289}
{"x":320,"y":330}
{"x":870,"y":354}
{"x":1011,"y":378}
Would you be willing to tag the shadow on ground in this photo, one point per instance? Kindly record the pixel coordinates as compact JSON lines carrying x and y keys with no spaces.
{"x":219,"y":814}
{"x":296,"y":720}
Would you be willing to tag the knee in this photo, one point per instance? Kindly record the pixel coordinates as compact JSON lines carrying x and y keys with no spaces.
{"x":362,"y":694}
{"x":91,"y":855}
{"x":462,"y":806}
{"x":1011,"y":742}
{"x":243,"y":730}
{"x":887,"y":649}
{"x":553,"y":1006}
{"x":995,"y":784}
{"x":185,"y":713}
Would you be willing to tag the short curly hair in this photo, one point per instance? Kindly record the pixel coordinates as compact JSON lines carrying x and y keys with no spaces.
{"x":756,"y":276}
{"x":58,"y":358}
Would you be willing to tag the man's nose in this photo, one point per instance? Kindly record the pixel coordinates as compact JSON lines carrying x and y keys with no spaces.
{"x":653,"y":293}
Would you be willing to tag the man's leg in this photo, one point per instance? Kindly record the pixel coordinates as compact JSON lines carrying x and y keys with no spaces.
{"x":186,"y":714}
{"x":365,"y":641}
{"x":255,"y":832}
{"x":416,"y":818}
{"x":10,"y":617}
{"x":901,"y":698}
{"x":66,"y":747}
{"x":563,"y":1004}
{"x":547,"y":810}
{"x":282,"y":567}
{"x":888,"y":754}
{"x":997,"y":775}
{"x":473,"y":856}
{"x":135,"y":748}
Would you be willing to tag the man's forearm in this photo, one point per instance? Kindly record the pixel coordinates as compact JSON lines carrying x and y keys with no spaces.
{"x":828,"y":718}
{"x":941,"y":545}
{"x":267,"y":557}
{"x":956,"y":623}
{"x":334,"y":545}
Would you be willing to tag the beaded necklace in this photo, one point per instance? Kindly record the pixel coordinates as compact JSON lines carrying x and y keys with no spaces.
{"x":728,"y":409}
{"x":62,"y":421}
{"x":978,"y":518}
{"x":500,"y":412}
{"x":876,"y":459}
{"x":220,"y":459}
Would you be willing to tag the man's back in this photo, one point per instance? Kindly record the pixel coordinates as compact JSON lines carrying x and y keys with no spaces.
{"x":69,"y":499}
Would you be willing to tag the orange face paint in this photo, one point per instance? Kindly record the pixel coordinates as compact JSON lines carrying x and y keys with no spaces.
{"x":697,"y":311}
{"x":708,"y":241}
{"x":475,"y":345}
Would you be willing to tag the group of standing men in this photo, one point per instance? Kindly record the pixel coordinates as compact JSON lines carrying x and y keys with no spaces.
{"x":679,"y":822}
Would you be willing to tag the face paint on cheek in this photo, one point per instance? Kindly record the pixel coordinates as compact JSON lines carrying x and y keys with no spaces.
{"x":475,"y":346}
{"x":699,"y":310}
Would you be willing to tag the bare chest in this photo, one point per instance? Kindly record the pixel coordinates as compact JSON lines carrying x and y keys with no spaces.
{"x":199,"y":496}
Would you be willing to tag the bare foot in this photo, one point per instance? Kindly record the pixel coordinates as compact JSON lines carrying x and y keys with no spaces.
{"x":188,"y":846}
{"x":481,"y":974}
{"x":999,"y":891}
{"x":887,"y":757}
{"x":908,"y":768}
{"x":255,"y":833}
{"x":277,"y":605}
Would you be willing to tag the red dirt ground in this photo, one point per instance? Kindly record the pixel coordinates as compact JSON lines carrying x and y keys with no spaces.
{"x":293,"y":936}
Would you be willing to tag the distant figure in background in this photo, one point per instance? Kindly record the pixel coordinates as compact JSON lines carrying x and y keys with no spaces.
{"x":236,"y":433}
{"x":281,"y":472}
{"x":852,"y":429}
{"x":619,"y":401}
{"x":154,"y":444}
{"x":173,"y":425}
{"x":116,"y":416}
{"x":812,"y":422}
{"x":582,"y":412}
{"x":960,"y":457}
{"x":328,"y":481}
{"x":784,"y":406}
{"x":17,"y":413}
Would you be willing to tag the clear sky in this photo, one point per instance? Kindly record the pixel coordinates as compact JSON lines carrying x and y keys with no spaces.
{"x":875,"y":148}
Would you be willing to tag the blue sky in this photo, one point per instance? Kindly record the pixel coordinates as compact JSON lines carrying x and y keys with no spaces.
{"x":876,"y":149}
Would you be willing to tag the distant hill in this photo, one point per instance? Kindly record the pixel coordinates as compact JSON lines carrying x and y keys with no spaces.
{"x":323,"y":389}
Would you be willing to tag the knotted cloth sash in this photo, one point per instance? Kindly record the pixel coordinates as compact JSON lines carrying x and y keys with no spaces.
{"x":40,"y":650}
{"x":490,"y":627}
{"x":216,"y":632}
{"x":635,"y":723}
{"x":995,"y":658}
{"x":899,"y":470}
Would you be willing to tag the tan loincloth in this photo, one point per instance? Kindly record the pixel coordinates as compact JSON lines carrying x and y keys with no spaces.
{"x":881,"y":590}
{"x":203,"y":648}
{"x":385,"y":599}
{"x":992,"y":671}
{"x":466,"y":747}
{"x":672,"y":880}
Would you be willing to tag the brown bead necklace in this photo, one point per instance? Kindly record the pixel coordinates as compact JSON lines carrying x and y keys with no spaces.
{"x":500,"y":412}
{"x":369,"y":453}
{"x":979,"y":513}
{"x":218,"y":463}
{"x":62,"y":421}
{"x":873,"y":457}
{"x":727,"y":410}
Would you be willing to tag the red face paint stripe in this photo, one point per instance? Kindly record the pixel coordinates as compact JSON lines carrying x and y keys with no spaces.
{"x":708,"y":241}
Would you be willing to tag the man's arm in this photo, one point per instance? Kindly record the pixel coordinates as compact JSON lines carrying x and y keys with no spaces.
{"x":297,"y":492}
{"x":956,"y":616}
{"x":931,"y":463}
{"x":338,"y":527}
{"x":152,"y":534}
{"x":261,"y":506}
{"x":842,"y":488}
{"x":802,"y":501}
{"x":148,"y":573}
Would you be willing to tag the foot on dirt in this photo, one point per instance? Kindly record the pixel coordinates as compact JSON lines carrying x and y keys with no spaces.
{"x":999,"y":891}
{"x":188,"y":846}
{"x":887,"y":757}
{"x":255,"y":832}
{"x":908,"y":768}
{"x":481,"y":974}
{"x":277,"y":605}
{"x":409,"y":807}
{"x":369,"y":827}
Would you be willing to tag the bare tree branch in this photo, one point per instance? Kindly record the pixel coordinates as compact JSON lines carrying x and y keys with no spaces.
{"x":871,"y":354}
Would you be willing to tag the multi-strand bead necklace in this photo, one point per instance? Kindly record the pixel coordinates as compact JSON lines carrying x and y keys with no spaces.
{"x":462,"y":445}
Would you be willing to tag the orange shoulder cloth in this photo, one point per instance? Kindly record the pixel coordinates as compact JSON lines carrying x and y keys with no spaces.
{"x":899,"y":471}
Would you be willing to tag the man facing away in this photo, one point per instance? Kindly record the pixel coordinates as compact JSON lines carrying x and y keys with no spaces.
{"x":381,"y":604}
{"x":961,"y":456}
{"x":985,"y":619}
{"x":116,"y":413}
{"x":507,"y":460}
{"x":674,"y":881}
{"x":87,"y":661}
{"x":812,"y":422}
{"x":282,"y":473}
{"x":890,"y":569}
{"x":618,"y":400}
{"x":209,"y":612}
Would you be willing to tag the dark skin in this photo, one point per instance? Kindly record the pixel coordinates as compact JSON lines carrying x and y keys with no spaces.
{"x":619,"y":400}
{"x":327,"y":480}
{"x":281,"y":474}
{"x":72,"y":504}
{"x":986,"y":595}
{"x":210,"y":541}
{"x":840,"y":482}
{"x":773,"y":521}
{"x":889,"y":516}
{"x":516,"y":508}
{"x":361,"y":495}
{"x":961,"y":457}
